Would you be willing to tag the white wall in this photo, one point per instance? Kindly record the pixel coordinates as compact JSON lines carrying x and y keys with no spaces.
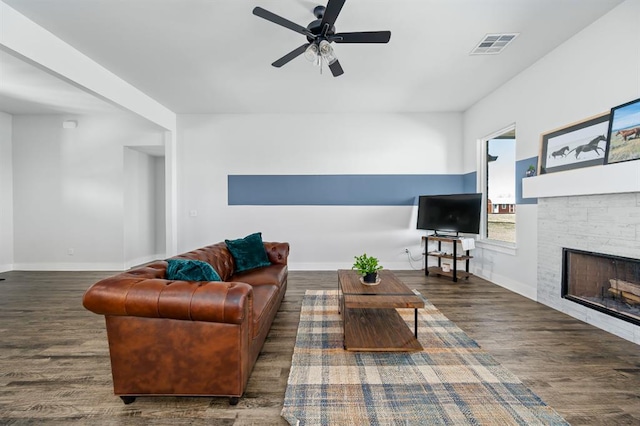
{"x":24,"y":38}
{"x":596,"y":69}
{"x":321,"y":237}
{"x":69,"y":189}
{"x":160,"y":198}
{"x":6,"y":194}
{"x":140,"y":218}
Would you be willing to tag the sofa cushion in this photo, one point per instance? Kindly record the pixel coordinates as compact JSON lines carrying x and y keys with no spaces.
{"x":248,"y":252}
{"x":216,"y":255}
{"x":265,"y":299}
{"x":270,"y":275}
{"x":190,"y":270}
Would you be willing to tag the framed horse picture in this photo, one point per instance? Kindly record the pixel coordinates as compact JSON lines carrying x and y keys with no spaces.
{"x":577,"y":145}
{"x":623,"y":142}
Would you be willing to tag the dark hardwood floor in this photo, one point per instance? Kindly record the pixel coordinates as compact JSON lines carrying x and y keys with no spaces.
{"x":54,"y":359}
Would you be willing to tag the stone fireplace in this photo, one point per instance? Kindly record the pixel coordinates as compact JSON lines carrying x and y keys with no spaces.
{"x":609,"y":284}
{"x":592,"y":209}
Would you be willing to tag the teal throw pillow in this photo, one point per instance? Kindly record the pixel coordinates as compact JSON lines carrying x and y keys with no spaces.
{"x":248,"y":252}
{"x":191,"y":270}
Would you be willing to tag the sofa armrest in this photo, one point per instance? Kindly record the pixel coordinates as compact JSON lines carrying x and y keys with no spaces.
{"x":225,"y":302}
{"x":277,"y":252}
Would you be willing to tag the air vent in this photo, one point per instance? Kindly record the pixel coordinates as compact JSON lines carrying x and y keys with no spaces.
{"x":492,"y":44}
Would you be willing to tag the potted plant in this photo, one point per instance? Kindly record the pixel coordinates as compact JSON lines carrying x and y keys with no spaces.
{"x":531,"y":171}
{"x":368,"y":267}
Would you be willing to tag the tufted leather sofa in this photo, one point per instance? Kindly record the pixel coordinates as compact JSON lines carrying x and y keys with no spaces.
{"x":189,"y":338}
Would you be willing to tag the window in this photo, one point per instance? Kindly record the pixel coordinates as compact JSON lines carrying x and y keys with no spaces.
{"x":500,"y":185}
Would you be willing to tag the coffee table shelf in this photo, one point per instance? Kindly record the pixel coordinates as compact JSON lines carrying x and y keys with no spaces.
{"x":369,"y":317}
{"x":378,"y":330}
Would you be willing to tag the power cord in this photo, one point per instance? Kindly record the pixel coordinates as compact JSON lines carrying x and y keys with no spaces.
{"x":414,"y":260}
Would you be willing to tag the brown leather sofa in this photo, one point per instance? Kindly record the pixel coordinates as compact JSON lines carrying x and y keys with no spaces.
{"x":189,"y":338}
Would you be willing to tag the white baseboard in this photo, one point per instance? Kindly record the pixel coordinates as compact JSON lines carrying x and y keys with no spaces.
{"x":142,"y":260}
{"x":89,"y":266}
{"x":69,"y":267}
{"x":402,"y":266}
{"x":139,"y":261}
{"x":296,"y":266}
{"x":508,"y":283}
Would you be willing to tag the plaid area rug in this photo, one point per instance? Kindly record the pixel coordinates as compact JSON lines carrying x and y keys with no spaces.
{"x":451,"y":382}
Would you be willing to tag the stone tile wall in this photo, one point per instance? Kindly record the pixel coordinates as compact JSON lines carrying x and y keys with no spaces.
{"x":608,"y":223}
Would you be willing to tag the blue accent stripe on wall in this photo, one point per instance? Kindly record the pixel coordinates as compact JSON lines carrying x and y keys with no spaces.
{"x":338,"y":190}
{"x":470,"y":181}
{"x":521,"y":171}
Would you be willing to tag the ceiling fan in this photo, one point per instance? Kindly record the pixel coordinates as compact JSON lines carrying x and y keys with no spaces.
{"x":320,"y":34}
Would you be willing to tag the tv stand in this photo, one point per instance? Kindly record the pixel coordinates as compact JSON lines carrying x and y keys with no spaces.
{"x":454,"y":273}
{"x":444,"y":235}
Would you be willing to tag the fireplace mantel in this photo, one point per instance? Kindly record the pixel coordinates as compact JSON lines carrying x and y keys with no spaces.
{"x":608,"y":179}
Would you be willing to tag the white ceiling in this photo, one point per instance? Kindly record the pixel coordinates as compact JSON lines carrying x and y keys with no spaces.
{"x":214,"y":56}
{"x":27,"y":89}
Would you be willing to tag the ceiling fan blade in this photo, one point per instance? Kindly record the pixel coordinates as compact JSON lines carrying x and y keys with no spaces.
{"x":362,"y":37}
{"x":291,"y":55}
{"x":331,"y":14}
{"x":336,"y":69}
{"x":270,"y":16}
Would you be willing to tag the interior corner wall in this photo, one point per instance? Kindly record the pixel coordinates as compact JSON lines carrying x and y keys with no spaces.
{"x":6,"y":193}
{"x":69,"y":203}
{"x":322,"y":237}
{"x":159,"y":176}
{"x":140,"y":219}
{"x":595,"y":70}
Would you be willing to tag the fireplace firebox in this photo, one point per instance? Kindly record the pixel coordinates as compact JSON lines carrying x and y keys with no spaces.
{"x":609,"y":284}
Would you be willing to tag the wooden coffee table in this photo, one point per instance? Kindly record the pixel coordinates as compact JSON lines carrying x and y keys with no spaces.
{"x":369,"y":317}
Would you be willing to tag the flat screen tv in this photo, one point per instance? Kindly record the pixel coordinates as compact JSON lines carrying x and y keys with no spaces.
{"x":450,"y":213}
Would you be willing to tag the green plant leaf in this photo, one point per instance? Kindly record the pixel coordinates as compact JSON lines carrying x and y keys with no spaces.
{"x":366,"y":264}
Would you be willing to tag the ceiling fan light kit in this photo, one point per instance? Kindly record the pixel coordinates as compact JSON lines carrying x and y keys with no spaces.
{"x":327,"y":52}
{"x":320,"y":34}
{"x":311,"y":53}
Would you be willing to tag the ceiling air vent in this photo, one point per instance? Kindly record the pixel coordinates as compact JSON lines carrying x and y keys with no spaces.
{"x":492,"y":44}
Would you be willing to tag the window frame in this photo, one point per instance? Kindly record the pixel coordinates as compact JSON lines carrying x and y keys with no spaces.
{"x":484,"y":241}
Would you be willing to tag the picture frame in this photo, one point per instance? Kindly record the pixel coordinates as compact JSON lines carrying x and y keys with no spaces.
{"x":623,"y":141}
{"x":577,"y":145}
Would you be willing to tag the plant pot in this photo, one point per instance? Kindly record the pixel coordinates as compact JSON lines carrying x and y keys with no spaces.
{"x":370,"y":278}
